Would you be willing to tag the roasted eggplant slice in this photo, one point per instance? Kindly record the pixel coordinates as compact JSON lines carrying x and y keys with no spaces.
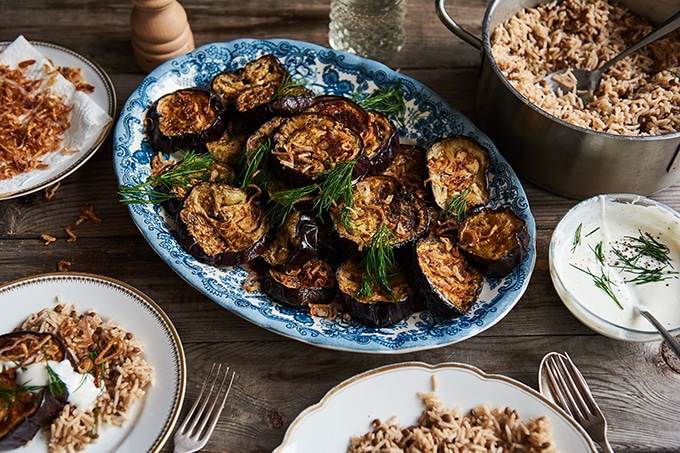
{"x":380,"y":201}
{"x":378,"y":134}
{"x":409,"y":167}
{"x":495,"y":240}
{"x":308,"y":145}
{"x":301,"y":285}
{"x":457,"y":167}
{"x":262,"y":88}
{"x":185,"y":120}
{"x":295,"y":242}
{"x":379,"y":308}
{"x":222,"y":225}
{"x":448,"y":283}
{"x":22,"y":412}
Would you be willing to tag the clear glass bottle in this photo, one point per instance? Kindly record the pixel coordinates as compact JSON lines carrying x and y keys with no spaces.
{"x":368,"y":28}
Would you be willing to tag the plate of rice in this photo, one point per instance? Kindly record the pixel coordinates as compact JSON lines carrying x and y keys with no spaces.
{"x":426,"y":406}
{"x":144,"y":380}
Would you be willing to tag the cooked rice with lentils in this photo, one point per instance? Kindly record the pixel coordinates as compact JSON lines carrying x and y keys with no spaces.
{"x":126,"y":375}
{"x":445,"y":430}
{"x":640,"y":95}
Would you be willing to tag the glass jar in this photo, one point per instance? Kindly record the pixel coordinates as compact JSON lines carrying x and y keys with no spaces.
{"x":368,"y":28}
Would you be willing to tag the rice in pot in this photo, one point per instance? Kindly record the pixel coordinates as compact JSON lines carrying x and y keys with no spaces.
{"x":640,"y":95}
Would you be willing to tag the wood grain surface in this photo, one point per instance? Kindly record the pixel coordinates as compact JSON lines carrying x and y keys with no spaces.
{"x":279,"y":377}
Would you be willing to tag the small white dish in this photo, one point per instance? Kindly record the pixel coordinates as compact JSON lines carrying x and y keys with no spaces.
{"x":603,"y":296}
{"x":104,"y":95}
{"x":392,"y":390}
{"x":153,"y":417}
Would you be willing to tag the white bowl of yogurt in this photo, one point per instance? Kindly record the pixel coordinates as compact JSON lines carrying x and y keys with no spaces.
{"x":612,"y":252}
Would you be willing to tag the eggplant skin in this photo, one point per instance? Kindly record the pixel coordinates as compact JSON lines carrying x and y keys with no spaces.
{"x":21,"y":419}
{"x":448,"y":283}
{"x":222,"y":225}
{"x":301,"y":286}
{"x":379,"y":310}
{"x":295,"y":242}
{"x":496,"y":240}
{"x":185,"y":120}
{"x":458,"y":165}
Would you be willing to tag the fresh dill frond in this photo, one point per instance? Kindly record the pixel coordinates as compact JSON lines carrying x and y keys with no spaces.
{"x":284,"y":201}
{"x":387,"y":100}
{"x":255,"y":166}
{"x":194,"y":166}
{"x":599,"y":253}
{"x":10,"y":395}
{"x":336,"y":187}
{"x":289,"y":87}
{"x":378,"y":265}
{"x":577,"y":238}
{"x":603,"y":282}
{"x":457,"y":206}
{"x":647,"y":259}
{"x":54,"y":383}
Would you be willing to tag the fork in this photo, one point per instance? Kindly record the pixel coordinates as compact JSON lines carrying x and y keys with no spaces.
{"x":191,"y":437}
{"x":571,"y":392}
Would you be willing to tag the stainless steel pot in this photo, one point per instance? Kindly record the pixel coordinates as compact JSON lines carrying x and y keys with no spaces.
{"x":563,"y":158}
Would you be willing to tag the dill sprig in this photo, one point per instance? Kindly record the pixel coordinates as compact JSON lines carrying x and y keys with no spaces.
{"x":378,"y":264}
{"x":54,"y":383}
{"x":284,"y":201}
{"x":192,"y":167}
{"x":289,"y":87}
{"x":601,"y":281}
{"x":649,"y":261}
{"x":577,"y":238}
{"x":457,"y":206}
{"x":10,"y":395}
{"x":255,"y":166}
{"x":386,"y":100}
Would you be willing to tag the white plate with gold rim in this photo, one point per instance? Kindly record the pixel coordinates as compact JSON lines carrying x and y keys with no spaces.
{"x":349,"y":408}
{"x":154,"y":416}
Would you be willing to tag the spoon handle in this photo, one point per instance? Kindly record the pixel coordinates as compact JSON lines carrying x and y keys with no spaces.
{"x":670,"y":339}
{"x":671,"y":24}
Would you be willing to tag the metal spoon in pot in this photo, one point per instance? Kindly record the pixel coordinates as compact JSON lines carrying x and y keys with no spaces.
{"x":588,"y":81}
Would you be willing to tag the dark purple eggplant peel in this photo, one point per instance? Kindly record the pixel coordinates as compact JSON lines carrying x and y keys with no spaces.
{"x":23,"y":413}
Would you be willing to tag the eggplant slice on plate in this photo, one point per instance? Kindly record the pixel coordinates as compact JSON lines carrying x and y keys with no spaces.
{"x":22,"y":412}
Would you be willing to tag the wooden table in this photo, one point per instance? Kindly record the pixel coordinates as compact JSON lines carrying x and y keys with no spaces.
{"x":279,"y":377}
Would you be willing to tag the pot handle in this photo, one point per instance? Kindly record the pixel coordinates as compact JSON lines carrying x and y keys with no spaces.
{"x":454,"y":27}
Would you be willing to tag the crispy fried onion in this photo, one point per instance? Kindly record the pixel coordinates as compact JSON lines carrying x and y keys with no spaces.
{"x":32,"y":122}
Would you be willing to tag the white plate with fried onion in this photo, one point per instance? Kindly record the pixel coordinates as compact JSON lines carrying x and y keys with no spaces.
{"x":62,"y":164}
{"x":154,"y":416}
{"x":393,"y":390}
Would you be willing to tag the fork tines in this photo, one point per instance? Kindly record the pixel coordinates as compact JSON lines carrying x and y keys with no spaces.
{"x":569,"y":387}
{"x":199,"y":424}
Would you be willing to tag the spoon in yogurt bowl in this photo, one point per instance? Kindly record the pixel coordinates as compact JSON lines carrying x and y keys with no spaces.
{"x":587,"y":81}
{"x":670,"y":339}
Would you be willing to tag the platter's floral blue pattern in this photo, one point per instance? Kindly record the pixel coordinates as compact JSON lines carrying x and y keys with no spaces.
{"x":428,"y":119}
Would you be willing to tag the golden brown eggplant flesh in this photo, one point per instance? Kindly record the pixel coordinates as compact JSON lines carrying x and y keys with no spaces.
{"x":409,"y":167}
{"x":496,"y":240}
{"x":185,"y":120}
{"x":308,"y":145}
{"x":222,"y":225}
{"x":380,"y":308}
{"x":295,"y":242}
{"x":380,"y":201}
{"x":23,"y":413}
{"x":302,"y":285}
{"x":458,"y":167}
{"x":448,"y":283}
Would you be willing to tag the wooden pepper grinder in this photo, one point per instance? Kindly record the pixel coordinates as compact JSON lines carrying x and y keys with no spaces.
{"x":160,"y":31}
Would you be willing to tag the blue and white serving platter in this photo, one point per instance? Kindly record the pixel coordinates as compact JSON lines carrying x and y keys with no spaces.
{"x":428,"y":119}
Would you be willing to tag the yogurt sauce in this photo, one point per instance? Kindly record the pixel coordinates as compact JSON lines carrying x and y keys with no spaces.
{"x":606,"y":221}
{"x":81,"y":388}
